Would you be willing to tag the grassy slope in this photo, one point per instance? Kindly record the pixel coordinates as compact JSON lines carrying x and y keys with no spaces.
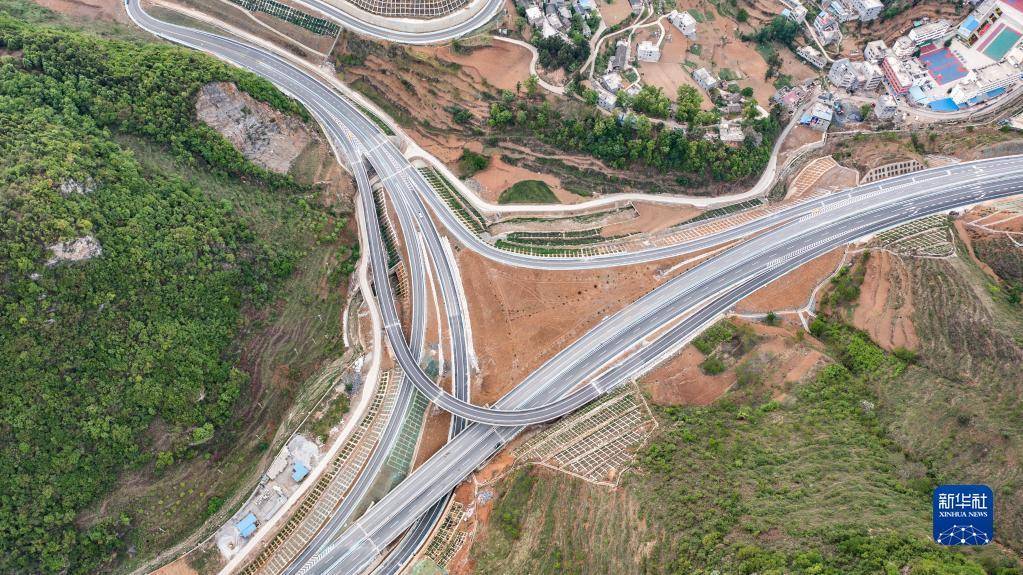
{"x":835,"y":478}
{"x":282,"y":339}
{"x":281,"y":346}
{"x":528,"y":192}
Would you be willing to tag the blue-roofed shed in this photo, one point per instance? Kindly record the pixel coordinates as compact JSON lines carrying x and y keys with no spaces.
{"x":943,"y":105}
{"x":247,"y":525}
{"x":969,"y":26}
{"x":299,"y":471}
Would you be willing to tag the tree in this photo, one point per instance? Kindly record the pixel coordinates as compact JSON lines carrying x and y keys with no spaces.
{"x":532,"y":85}
{"x":688,"y":104}
{"x":202,"y":434}
{"x":651,"y":101}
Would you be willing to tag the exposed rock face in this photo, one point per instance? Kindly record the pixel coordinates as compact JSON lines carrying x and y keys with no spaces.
{"x":83,"y":248}
{"x":263,"y":135}
{"x":74,"y":187}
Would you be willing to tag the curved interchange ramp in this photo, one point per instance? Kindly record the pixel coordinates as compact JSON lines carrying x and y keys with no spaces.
{"x":788,"y":239}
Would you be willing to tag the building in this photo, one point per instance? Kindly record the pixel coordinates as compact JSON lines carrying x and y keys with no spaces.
{"x":606,"y":100}
{"x":875,"y":51}
{"x":789,"y":98}
{"x":929,"y":32}
{"x":247,"y":526}
{"x":546,"y":30}
{"x":901,"y":75}
{"x":811,"y":55}
{"x":844,"y":75}
{"x":872,"y":76}
{"x":555,"y":21}
{"x":534,"y":16}
{"x":903,"y":48}
{"x":794,"y":10}
{"x":637,"y":6}
{"x":820,"y":115}
{"x":983,"y":15}
{"x":566,"y":16}
{"x":611,"y":81}
{"x":827,"y":27}
{"x":634,"y":90}
{"x":886,"y":107}
{"x":855,"y":76}
{"x":647,"y":51}
{"x":585,"y":6}
{"x":685,"y":23}
{"x":731,"y":103}
{"x":867,"y":9}
{"x":985,"y":83}
{"x":839,"y":10}
{"x":621,"y":58}
{"x":705,"y":79}
{"x":299,"y":471}
{"x":730,"y":132}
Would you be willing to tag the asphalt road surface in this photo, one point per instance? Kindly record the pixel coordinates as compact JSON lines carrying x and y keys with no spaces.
{"x":598,"y":359}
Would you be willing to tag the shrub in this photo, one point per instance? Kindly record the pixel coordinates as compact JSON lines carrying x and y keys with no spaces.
{"x":712,"y":365}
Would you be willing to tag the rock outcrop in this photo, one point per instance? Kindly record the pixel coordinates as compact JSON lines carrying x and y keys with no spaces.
{"x":265,"y":136}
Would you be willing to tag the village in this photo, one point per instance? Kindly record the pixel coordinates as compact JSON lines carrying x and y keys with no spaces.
{"x":934,"y":69}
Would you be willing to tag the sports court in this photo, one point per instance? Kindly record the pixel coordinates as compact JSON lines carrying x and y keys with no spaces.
{"x":997,"y":48}
{"x":943,"y":65}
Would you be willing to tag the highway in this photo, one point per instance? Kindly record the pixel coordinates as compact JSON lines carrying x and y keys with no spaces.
{"x":360,"y":544}
{"x":788,"y":238}
{"x":348,"y":123}
{"x":409,"y":31}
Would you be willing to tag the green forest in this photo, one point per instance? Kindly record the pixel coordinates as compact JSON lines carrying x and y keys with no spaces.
{"x":636,"y":141}
{"x":96,"y":351}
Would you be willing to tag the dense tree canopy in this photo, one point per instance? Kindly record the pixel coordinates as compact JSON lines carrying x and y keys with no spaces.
{"x":631,"y":140}
{"x":95,"y":351}
{"x":555,"y":53}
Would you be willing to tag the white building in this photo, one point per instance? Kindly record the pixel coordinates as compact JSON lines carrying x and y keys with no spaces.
{"x":819,"y":117}
{"x":827,"y":27}
{"x":855,"y":76}
{"x":867,"y":9}
{"x":685,"y":23}
{"x":555,"y":21}
{"x":844,"y":75}
{"x":984,"y":80}
{"x":872,"y":75}
{"x":811,"y":55}
{"x":731,"y":131}
{"x":546,"y":30}
{"x":612,"y":81}
{"x":606,"y":100}
{"x":886,"y":107}
{"x":875,"y":51}
{"x":705,"y":79}
{"x":794,"y":11}
{"x":929,"y":32}
{"x":903,"y":48}
{"x":839,"y":10}
{"x":647,"y":51}
{"x":534,"y":16}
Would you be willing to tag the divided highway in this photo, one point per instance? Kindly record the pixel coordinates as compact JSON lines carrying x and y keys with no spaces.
{"x":618,"y":349}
